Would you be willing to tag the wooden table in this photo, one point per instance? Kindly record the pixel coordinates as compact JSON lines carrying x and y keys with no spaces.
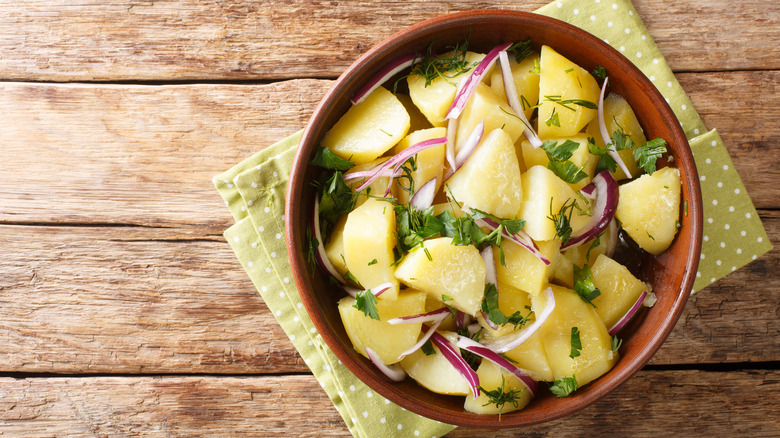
{"x":124,"y":312}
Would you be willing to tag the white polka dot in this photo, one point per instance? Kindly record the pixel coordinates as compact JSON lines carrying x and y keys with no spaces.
{"x":254,"y":185}
{"x":598,"y":1}
{"x":655,"y":60}
{"x":382,"y":420}
{"x":609,"y":24}
{"x":250,"y":202}
{"x":643,"y":37}
{"x":387,"y":402}
{"x":276,"y":174}
{"x":722,"y":244}
{"x":614,"y":6}
{"x":638,"y":54}
{"x":733,"y":268}
{"x":300,"y":305}
{"x":286,"y":280}
{"x":369,"y":394}
{"x":683,"y":107}
{"x":254,"y":244}
{"x":261,"y":228}
{"x":558,"y":4}
{"x":712,"y":280}
{"x":696,"y":131}
{"x":264,"y":289}
{"x":754,"y":256}
{"x":278,"y":236}
{"x":250,"y":264}
{"x":296,"y":319}
{"x":720,"y":184}
{"x":708,"y":161}
{"x":725,"y":167}
{"x":292,"y":337}
{"x":747,"y":215}
{"x":743,"y":233}
{"x":268,"y":270}
{"x":622,"y":48}
{"x":326,"y":367}
{"x":278,"y":313}
{"x":731,"y":208}
{"x":266,"y":209}
{"x":243,"y":208}
{"x":313,"y":330}
{"x":592,"y":18}
{"x":709,"y":220}
{"x":718,"y":262}
{"x":701,"y":256}
{"x":652,"y":78}
{"x":230,"y":186}
{"x":416,"y":433}
{"x":281,"y":294}
{"x":273,"y":191}
{"x":273,"y":253}
{"x":351,"y":387}
{"x":310,"y":344}
{"x":713,"y":143}
{"x":669,"y":84}
{"x":714,"y":202}
{"x":576,"y":11}
{"x":726,"y":226}
{"x":627,"y":30}
{"x":736,"y":191}
{"x":706,"y":238}
{"x":703,"y":178}
{"x":631,"y":13}
{"x":739,"y":250}
{"x":400,"y":426}
{"x":760,"y":239}
{"x":365,"y":414}
{"x":698,"y":274}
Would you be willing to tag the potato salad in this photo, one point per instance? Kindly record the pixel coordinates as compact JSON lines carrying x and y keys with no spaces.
{"x":469,"y":206}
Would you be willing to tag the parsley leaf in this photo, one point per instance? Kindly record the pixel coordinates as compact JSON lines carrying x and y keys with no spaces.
{"x":648,"y":153}
{"x":562,"y":220}
{"x":327,"y":159}
{"x":372,"y":262}
{"x":576,"y":344}
{"x":490,"y":305}
{"x":616,"y":343}
{"x":559,"y":163}
{"x":560,"y":152}
{"x":599,"y":72}
{"x":553,"y":120}
{"x":606,"y":162}
{"x":567,"y":171}
{"x":564,"y":387}
{"x":621,"y":140}
{"x":427,"y":348}
{"x":365,"y":301}
{"x":583,"y":284}
{"x":336,"y":199}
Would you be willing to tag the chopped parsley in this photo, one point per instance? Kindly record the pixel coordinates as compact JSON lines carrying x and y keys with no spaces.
{"x":445,"y":298}
{"x":616,"y":343}
{"x":576,"y":344}
{"x":565,"y":386}
{"x":432,"y":67}
{"x":562,"y":220}
{"x":336,"y":199}
{"x":427,"y":348}
{"x":567,"y":103}
{"x":553,"y":120}
{"x":365,"y":301}
{"x":649,"y":153}
{"x":372,"y":262}
{"x":599,"y":72}
{"x":500,"y":397}
{"x":327,"y":159}
{"x":583,"y":284}
{"x":559,"y":163}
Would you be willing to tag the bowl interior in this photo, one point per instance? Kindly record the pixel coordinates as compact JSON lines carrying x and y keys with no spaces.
{"x":670,"y":274}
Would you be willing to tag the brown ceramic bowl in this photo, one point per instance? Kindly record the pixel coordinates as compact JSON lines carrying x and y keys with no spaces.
{"x":671,"y":274}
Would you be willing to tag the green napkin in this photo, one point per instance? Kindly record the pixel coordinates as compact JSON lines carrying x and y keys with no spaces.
{"x":254,"y":191}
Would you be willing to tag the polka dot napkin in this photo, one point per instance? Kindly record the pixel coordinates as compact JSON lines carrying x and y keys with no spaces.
{"x":254,"y":191}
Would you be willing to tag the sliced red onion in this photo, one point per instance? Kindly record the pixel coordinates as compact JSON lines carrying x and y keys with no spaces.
{"x":397,"y":160}
{"x":514,"y":340}
{"x":490,"y":265}
{"x":322,"y":256}
{"x":393,"y":372}
{"x":589,"y":191}
{"x":423,"y":197}
{"x":376,"y":290}
{"x":521,"y":237}
{"x":462,"y":319}
{"x":427,"y":333}
{"x":489,"y":323}
{"x":371,"y":172}
{"x":452,"y":129}
{"x":451,"y":353}
{"x":473,"y":328}
{"x":605,"y":134}
{"x":630,"y":314}
{"x":383,"y":75}
{"x":470,"y":83}
{"x":480,"y":350}
{"x":511,"y":97}
{"x":609,"y":251}
{"x":435,"y":315}
{"x":607,"y":192}
{"x":467,"y":148}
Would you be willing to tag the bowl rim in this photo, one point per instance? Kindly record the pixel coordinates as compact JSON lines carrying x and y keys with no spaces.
{"x":296,"y":187}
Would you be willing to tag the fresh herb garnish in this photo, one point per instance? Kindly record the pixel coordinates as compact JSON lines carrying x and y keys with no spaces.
{"x":616,"y":343}
{"x":427,"y":348}
{"x":500,"y":397}
{"x":553,"y":120}
{"x":567,"y":103}
{"x":559,"y":163}
{"x":336,"y":199}
{"x":599,"y":72}
{"x":564,"y":386}
{"x":569,"y":70}
{"x":562,"y":220}
{"x":348,"y":275}
{"x":365,"y":301}
{"x":521,"y":50}
{"x":650,"y":235}
{"x":372,"y":262}
{"x":432,"y":67}
{"x":576,"y":344}
{"x":594,"y":244}
{"x":313,"y":245}
{"x":327,"y":159}
{"x":621,"y":141}
{"x":537,"y":67}
{"x":445,"y":298}
{"x":648,"y":153}
{"x":583,"y":284}
{"x":490,"y":305}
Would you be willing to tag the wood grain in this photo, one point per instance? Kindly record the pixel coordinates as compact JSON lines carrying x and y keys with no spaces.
{"x":652,"y":403}
{"x":59,"y":40}
{"x":161,"y":300}
{"x":145,"y":155}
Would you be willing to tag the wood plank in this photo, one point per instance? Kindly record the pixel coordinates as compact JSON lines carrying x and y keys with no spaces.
{"x":114,"y":153}
{"x":58,"y":40}
{"x":685,"y":403}
{"x":160,"y":300}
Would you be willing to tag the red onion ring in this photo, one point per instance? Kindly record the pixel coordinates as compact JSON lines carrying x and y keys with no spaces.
{"x":514,"y":340}
{"x":321,"y":255}
{"x":605,"y":134}
{"x":423,"y":197}
{"x":383,"y":75}
{"x":393,"y":372}
{"x":435,"y":315}
{"x":511,"y":97}
{"x":630,"y":314}
{"x":427,"y":333}
{"x":520,"y":238}
{"x":480,"y":350}
{"x":453,"y":356}
{"x":397,"y":160}
{"x":470,"y":84}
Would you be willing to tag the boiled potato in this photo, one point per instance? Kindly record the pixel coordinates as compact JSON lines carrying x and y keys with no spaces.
{"x":493,"y":109}
{"x":492,"y":377}
{"x":334,"y":249}
{"x":540,"y":187}
{"x":619,"y":289}
{"x":417,"y":120}
{"x":596,"y":356}
{"x":387,"y":340}
{"x":565,"y":80}
{"x":582,"y":158}
{"x":490,"y":180}
{"x":522,"y":269}
{"x":435,"y":372}
{"x":618,"y":116}
{"x":435,"y":100}
{"x":457,"y":272}
{"x":369,"y":239}
{"x":368,"y":129}
{"x":526,"y":82}
{"x":649,"y":209}
{"x":430,"y":162}
{"x":376,"y":188}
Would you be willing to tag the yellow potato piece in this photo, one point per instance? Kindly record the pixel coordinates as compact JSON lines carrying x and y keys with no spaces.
{"x":369,"y":239}
{"x":435,"y":372}
{"x":563,"y":79}
{"x":524,"y":270}
{"x":649,"y":209}
{"x":619,"y":289}
{"x":376,"y":188}
{"x":526,"y":82}
{"x":494,"y":110}
{"x":430,"y":162}
{"x":582,"y":158}
{"x":369,"y":129}
{"x":618,"y":116}
{"x":492,"y":377}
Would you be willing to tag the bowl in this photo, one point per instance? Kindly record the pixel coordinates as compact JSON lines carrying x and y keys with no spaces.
{"x":671,"y":274}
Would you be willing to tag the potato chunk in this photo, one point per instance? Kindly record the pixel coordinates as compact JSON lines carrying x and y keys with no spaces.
{"x":544,"y":194}
{"x":387,"y":340}
{"x":526,"y":82}
{"x":493,"y":109}
{"x":618,"y":116}
{"x":376,"y":188}
{"x":649,"y":209}
{"x":619,"y":289}
{"x":455,"y":271}
{"x":490,"y":180}
{"x":430,"y":162}
{"x":369,"y":239}
{"x":492,"y":377}
{"x":582,"y":158}
{"x":435,"y":372}
{"x":524,"y":270}
{"x":435,"y":99}
{"x":369,"y":128}
{"x":596,"y":356}
{"x":564,"y":80}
